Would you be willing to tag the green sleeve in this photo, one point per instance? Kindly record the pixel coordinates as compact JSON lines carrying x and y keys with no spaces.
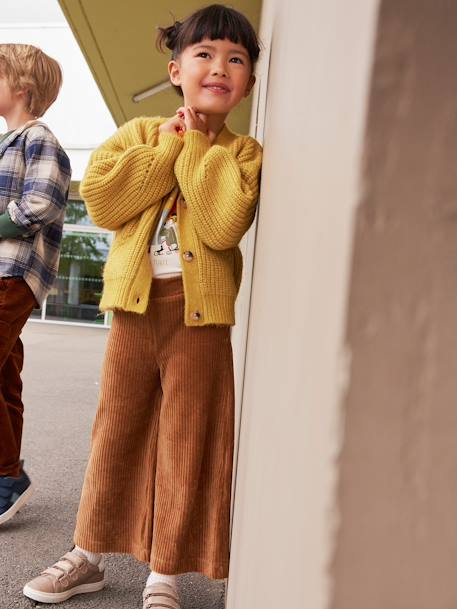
{"x":7,"y":227}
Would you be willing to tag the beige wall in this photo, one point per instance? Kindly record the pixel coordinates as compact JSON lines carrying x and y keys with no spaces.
{"x":397,"y":545}
{"x":317,"y":91}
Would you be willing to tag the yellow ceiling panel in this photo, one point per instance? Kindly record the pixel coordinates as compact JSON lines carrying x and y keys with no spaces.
{"x":118,"y":40}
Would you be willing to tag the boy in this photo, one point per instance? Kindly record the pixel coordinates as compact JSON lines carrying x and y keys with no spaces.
{"x":34,"y":180}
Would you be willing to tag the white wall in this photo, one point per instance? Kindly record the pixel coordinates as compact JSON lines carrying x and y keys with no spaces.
{"x":295,"y":370}
{"x":79,"y":117}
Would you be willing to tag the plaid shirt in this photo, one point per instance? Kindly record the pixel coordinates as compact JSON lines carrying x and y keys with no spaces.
{"x":34,"y":180}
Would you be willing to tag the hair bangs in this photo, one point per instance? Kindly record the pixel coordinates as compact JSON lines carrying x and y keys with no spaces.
{"x":218,"y":22}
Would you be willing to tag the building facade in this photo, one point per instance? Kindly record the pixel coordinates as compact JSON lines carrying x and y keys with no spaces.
{"x":81,"y":121}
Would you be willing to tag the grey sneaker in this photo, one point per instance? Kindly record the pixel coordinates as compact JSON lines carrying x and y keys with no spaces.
{"x":72,"y":574}
{"x":160,"y":596}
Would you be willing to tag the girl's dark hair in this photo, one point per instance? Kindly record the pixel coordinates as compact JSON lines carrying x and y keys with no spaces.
{"x":215,"y":22}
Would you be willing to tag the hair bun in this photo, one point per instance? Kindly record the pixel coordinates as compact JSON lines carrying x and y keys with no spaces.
{"x":169,"y":35}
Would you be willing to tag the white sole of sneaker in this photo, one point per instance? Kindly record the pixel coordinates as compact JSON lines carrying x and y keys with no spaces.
{"x":23,"y":499}
{"x":59,"y":597}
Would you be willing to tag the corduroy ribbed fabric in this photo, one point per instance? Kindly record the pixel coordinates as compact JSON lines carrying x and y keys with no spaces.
{"x":158,"y":481}
{"x":16,"y":304}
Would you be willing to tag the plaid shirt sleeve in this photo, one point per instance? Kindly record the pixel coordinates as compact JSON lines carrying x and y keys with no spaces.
{"x":46,"y":182}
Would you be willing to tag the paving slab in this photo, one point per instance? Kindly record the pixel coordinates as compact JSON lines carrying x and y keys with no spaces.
{"x":61,"y":380}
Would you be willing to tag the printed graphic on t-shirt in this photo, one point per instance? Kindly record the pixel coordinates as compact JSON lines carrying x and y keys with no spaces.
{"x":164,"y":250}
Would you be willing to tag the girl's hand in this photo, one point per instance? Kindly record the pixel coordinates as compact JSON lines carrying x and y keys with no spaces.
{"x":175,"y":126}
{"x":195,"y":120}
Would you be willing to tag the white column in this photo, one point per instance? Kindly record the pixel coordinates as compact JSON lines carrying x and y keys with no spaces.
{"x":317,"y":94}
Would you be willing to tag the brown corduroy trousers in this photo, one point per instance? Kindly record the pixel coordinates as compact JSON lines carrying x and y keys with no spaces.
{"x":16,"y":303}
{"x":158,"y":481}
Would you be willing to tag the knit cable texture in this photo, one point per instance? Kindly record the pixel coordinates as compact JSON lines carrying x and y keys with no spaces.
{"x":129,"y":179}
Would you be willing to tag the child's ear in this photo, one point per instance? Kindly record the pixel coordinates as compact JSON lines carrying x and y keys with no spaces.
{"x":174,"y":72}
{"x":23,"y":96}
{"x":20,"y":93}
{"x":251,"y":83}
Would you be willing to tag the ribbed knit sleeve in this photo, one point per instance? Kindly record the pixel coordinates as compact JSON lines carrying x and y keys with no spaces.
{"x":220,"y":187}
{"x":129,"y":172}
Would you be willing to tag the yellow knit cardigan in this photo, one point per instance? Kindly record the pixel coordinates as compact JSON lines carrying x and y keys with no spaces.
{"x":127,"y":182}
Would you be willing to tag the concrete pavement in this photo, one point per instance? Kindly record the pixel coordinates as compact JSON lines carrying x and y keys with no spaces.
{"x":61,"y":378}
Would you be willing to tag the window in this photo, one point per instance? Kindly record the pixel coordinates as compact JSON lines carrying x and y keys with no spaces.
{"x":76,"y":293}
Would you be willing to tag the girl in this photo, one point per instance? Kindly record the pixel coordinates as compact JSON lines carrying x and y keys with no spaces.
{"x":158,"y":481}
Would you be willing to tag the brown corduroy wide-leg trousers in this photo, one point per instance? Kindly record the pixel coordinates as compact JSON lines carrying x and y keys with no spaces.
{"x":158,"y":481}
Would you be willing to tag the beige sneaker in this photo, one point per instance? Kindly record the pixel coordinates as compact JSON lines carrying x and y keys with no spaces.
{"x":72,"y":574}
{"x":160,"y":596}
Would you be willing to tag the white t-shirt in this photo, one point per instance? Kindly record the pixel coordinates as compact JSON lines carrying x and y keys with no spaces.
{"x":164,"y":247}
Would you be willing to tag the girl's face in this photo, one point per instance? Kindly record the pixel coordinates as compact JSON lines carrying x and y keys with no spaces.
{"x":214,"y":75}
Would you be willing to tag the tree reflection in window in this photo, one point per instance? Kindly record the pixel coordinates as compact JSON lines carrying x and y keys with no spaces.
{"x":78,"y":288}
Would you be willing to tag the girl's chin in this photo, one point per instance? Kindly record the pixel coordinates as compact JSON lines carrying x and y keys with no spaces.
{"x":209,"y":108}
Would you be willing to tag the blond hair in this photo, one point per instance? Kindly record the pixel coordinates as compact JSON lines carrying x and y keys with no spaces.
{"x":28,"y":69}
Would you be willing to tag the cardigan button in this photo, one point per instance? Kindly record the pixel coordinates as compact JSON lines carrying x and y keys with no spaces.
{"x":183,"y":202}
{"x":188,"y":256}
{"x":196,"y":316}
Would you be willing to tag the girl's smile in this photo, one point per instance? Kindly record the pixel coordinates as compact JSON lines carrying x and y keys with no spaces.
{"x":217,"y":88}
